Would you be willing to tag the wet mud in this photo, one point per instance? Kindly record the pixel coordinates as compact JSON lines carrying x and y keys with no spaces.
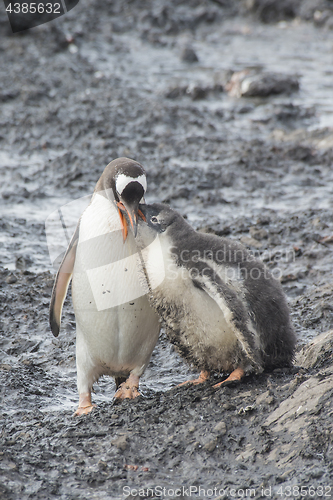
{"x":151,"y":80}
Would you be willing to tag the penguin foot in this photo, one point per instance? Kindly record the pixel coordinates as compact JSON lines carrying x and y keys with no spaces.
{"x":85,"y":404}
{"x":203,"y":377}
{"x":128,"y":389}
{"x":234,"y":377}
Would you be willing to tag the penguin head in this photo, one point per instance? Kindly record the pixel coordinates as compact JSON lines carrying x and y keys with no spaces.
{"x":160,"y":221}
{"x":127,"y":181}
{"x":160,"y":217}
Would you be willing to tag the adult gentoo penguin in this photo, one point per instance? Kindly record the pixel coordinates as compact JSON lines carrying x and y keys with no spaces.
{"x":116,"y":328}
{"x":222,"y":308}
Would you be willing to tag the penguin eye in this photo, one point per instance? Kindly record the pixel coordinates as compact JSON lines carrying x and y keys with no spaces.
{"x":154,"y":220}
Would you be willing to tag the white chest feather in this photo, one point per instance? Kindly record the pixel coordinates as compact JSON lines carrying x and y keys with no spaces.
{"x":197,"y":321}
{"x":109,"y":264}
{"x":115,"y":322}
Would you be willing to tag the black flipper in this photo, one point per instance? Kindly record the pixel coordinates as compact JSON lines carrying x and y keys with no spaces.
{"x":61,"y":283}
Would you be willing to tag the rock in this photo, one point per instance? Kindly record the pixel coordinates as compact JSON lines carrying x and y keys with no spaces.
{"x":274,"y":240}
{"x":258,"y":234}
{"x":297,"y":417}
{"x":11,"y":279}
{"x":176,"y":92}
{"x":310,"y":9}
{"x":293,"y":411}
{"x":210,"y":446}
{"x":120,"y":442}
{"x":265,"y":398}
{"x":220,"y":428}
{"x":5,"y":366}
{"x":246,"y":454}
{"x":8,"y":95}
{"x":251,"y":83}
{"x":22,"y":262}
{"x":188,"y":55}
{"x":12,"y":466}
{"x":318,"y":352}
{"x":195,"y":91}
{"x":321,"y":17}
{"x":250,"y":242}
{"x":273,"y":11}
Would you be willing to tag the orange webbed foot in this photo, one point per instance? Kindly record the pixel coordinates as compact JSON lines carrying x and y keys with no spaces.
{"x":85,"y":405}
{"x":84,"y":411}
{"x":234,"y":377}
{"x":128,"y":389}
{"x":203,"y":377}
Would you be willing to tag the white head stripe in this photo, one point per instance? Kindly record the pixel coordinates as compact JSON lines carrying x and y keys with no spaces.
{"x":122,"y":180}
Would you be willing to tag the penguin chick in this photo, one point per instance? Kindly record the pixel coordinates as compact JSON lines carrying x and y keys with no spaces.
{"x":222,"y":308}
{"x":116,"y":328}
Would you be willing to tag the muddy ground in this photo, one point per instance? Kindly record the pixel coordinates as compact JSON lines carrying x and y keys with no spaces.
{"x":148,"y":80}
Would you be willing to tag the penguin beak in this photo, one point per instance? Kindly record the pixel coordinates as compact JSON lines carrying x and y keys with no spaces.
{"x":123,"y":220}
{"x":133,"y":212}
